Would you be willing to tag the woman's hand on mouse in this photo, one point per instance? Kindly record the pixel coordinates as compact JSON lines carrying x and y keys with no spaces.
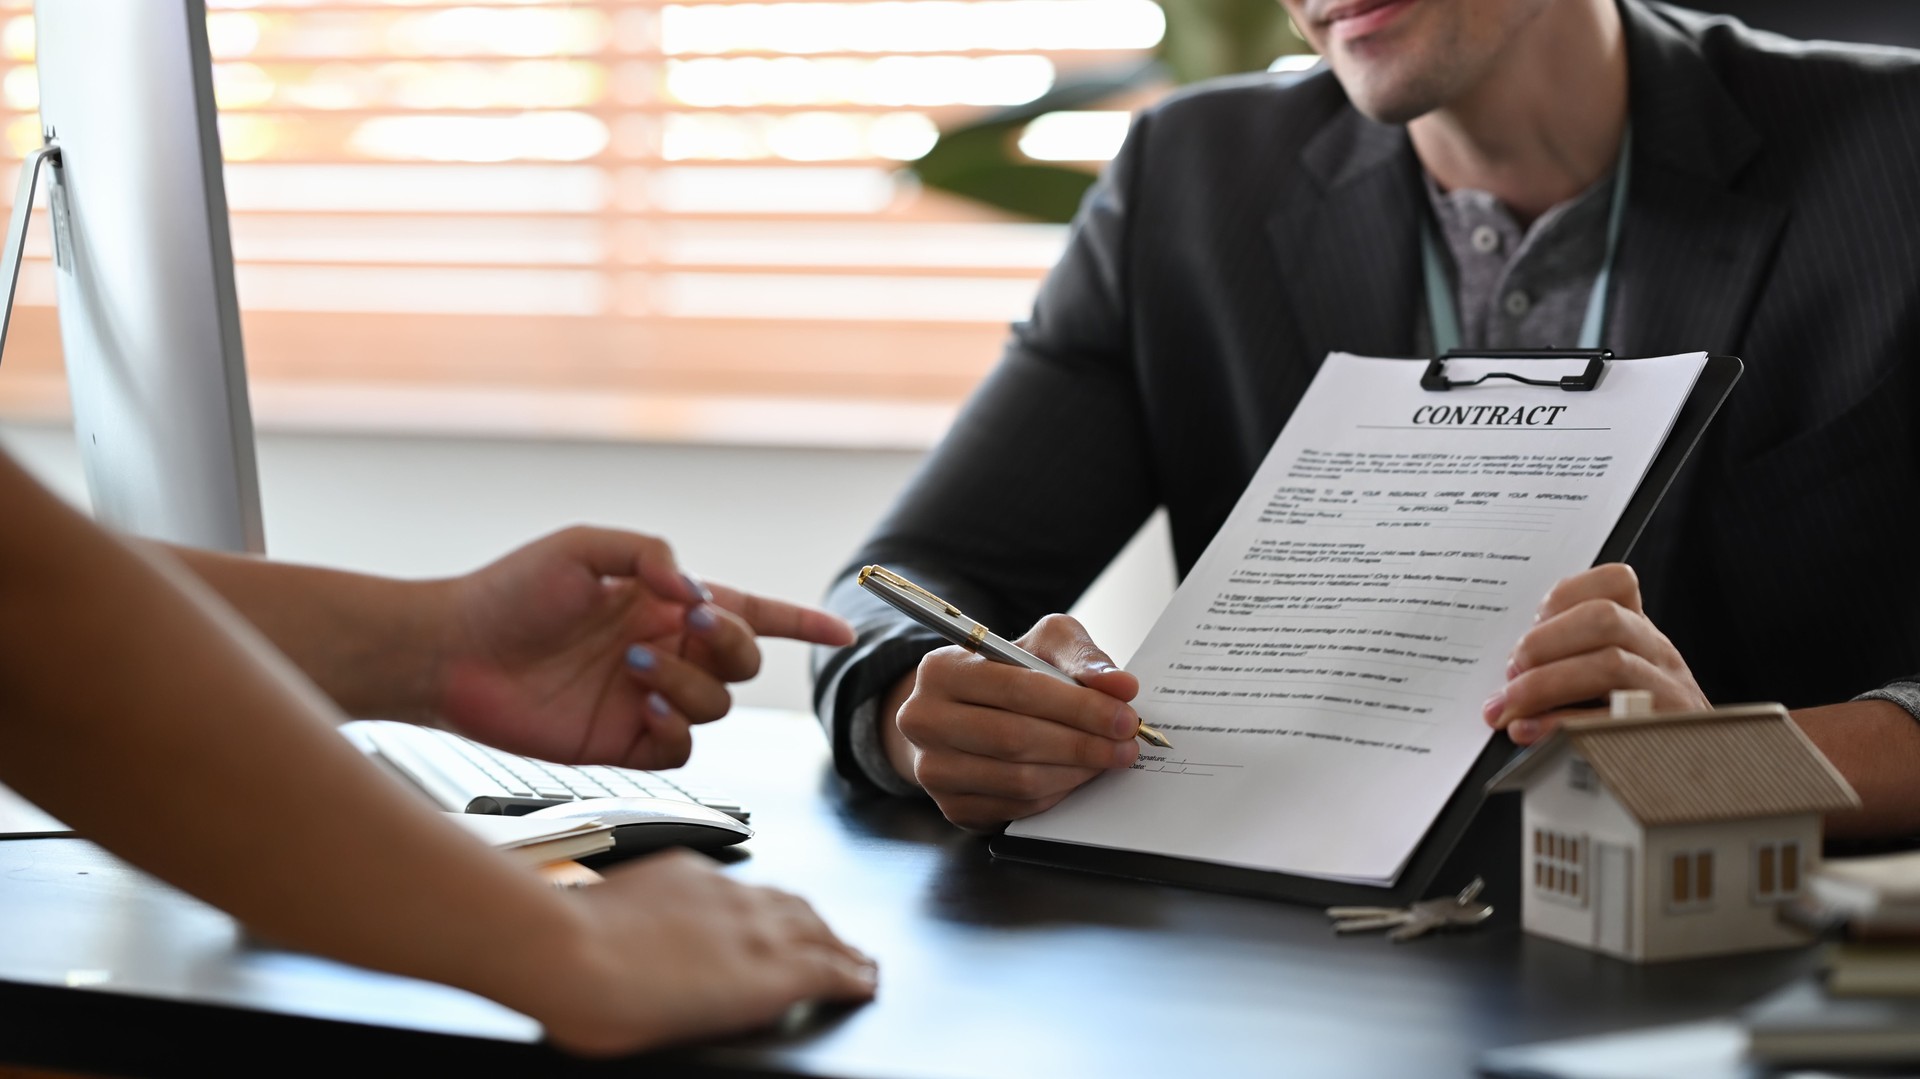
{"x":670,"y":949}
{"x":591,"y":646}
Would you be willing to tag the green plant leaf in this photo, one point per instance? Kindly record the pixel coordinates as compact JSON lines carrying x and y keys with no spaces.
{"x":1041,"y":192}
{"x":981,"y":160}
{"x":1209,"y":38}
{"x":1205,"y":38}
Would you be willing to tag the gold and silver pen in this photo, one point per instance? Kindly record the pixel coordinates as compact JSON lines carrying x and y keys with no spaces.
{"x":945,"y":619}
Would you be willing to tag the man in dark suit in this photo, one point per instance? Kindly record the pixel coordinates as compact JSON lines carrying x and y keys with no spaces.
{"x":1248,"y":228}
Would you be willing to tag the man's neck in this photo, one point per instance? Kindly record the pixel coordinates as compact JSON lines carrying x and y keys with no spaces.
{"x":1545,"y":122}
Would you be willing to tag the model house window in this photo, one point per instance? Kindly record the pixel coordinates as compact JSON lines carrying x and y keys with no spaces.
{"x":1559,"y":862}
{"x":1690,"y":880}
{"x":1581,"y":776}
{"x":1776,"y":871}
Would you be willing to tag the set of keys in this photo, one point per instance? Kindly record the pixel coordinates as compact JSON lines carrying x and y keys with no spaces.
{"x":1447,"y":912}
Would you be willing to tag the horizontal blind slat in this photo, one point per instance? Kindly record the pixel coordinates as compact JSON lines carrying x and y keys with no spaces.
{"x":687,"y":214}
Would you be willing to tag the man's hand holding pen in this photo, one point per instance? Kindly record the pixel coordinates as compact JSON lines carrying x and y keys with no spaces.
{"x":993,"y":742}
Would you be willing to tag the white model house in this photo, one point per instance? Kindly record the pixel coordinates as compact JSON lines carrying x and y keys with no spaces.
{"x":1653,"y":837}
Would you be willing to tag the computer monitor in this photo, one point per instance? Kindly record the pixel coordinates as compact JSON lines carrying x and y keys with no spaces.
{"x":149,"y":322}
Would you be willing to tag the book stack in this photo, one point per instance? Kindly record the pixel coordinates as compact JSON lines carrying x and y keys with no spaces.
{"x":1865,"y":1007}
{"x":1875,"y":903}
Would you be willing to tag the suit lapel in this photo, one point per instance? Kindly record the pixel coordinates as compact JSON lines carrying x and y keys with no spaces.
{"x":1690,"y":265}
{"x":1694,"y":251}
{"x":1346,"y":241}
{"x":1693,"y":255}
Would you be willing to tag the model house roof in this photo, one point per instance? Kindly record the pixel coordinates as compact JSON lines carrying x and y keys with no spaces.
{"x":1726,"y":764}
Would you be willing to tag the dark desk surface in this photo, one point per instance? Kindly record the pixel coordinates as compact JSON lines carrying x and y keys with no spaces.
{"x":988,"y":969}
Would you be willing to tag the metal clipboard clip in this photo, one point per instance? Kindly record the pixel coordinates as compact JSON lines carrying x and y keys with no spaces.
{"x":1436,"y":379}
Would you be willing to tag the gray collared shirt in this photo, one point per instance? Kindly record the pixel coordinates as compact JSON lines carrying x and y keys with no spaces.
{"x":1520,"y":288}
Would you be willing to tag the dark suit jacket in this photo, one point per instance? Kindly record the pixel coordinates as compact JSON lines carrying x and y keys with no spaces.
{"x":1248,"y":228}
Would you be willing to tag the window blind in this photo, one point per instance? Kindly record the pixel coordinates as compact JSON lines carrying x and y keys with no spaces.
{"x":623,"y":201}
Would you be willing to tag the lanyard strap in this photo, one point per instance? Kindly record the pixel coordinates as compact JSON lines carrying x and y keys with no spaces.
{"x":1445,"y":317}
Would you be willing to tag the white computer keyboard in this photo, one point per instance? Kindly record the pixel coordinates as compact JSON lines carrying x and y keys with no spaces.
{"x":464,"y":776}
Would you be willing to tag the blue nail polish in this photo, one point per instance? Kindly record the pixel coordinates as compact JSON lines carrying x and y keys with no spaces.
{"x":701,"y":619}
{"x":640,"y":657}
{"x":658,"y":705}
{"x":696,"y":589}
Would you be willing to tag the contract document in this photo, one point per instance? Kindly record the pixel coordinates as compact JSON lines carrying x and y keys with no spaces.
{"x":1322,"y":669}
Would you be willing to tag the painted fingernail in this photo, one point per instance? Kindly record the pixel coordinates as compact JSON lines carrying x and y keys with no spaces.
{"x":1494,"y":705}
{"x":702,"y":619}
{"x":696,"y":589}
{"x":1101,"y":666}
{"x":658,"y":705}
{"x":640,"y":657}
{"x":1523,"y":731}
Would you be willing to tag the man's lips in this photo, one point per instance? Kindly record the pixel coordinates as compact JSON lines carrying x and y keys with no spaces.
{"x":1359,"y":18}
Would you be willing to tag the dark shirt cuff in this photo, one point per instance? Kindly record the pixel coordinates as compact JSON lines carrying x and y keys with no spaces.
{"x":1904,"y":694}
{"x":865,"y":740}
{"x":851,"y":682}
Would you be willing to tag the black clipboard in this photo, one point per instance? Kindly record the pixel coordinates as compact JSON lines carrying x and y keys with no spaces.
{"x":1460,"y":826}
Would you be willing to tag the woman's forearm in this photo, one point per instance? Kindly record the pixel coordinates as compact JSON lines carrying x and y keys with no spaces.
{"x":369,"y":642}
{"x":139,"y":710}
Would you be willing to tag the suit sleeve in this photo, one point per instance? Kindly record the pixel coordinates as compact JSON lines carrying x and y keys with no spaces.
{"x":1044,"y":476}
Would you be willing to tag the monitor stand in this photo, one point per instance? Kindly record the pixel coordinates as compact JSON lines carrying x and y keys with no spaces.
{"x":48,"y":155}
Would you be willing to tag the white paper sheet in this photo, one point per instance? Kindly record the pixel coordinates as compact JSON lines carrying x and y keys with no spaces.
{"x":21,"y":819}
{"x":1321,"y":671}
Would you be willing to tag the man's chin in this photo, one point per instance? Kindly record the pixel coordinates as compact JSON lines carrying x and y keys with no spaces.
{"x":1395,"y":112}
{"x":1391,"y":104}
{"x":1392,"y":89}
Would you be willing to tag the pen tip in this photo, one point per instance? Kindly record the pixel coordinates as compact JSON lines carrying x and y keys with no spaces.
{"x":1153,"y":738}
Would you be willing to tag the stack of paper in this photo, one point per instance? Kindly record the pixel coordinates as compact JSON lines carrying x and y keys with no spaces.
{"x":1877,"y":903}
{"x":1881,"y":892}
{"x":1865,"y":1008}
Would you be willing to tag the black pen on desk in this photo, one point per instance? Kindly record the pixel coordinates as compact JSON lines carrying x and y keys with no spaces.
{"x":945,"y":619}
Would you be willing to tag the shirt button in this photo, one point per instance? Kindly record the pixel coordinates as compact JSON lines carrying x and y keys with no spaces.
{"x":1486,"y":240}
{"x":1517,"y":303}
